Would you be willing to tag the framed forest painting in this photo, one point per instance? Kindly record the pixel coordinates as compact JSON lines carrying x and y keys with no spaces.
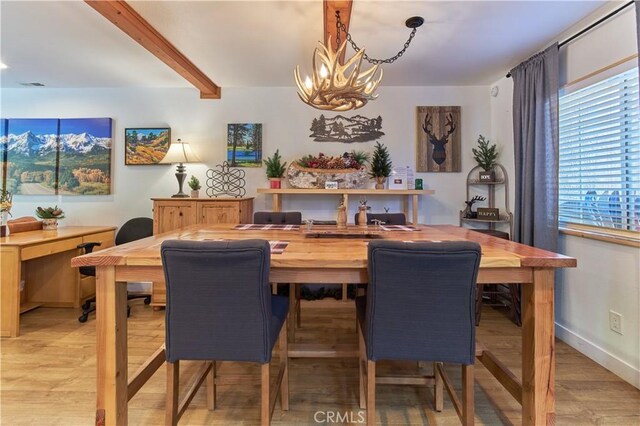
{"x":438,"y":141}
{"x":144,"y":146}
{"x":244,"y":144}
{"x":69,"y":156}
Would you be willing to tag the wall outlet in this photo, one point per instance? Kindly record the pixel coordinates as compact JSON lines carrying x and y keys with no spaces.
{"x":615,"y":322}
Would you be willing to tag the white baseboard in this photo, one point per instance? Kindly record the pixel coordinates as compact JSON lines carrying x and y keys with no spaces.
{"x":612,"y":363}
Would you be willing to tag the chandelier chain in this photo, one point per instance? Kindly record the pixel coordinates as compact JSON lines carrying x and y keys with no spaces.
{"x":340,"y":26}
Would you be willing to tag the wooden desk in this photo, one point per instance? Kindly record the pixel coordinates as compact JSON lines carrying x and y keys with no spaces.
{"x":314,"y":260}
{"x":405,"y":193}
{"x":42,"y":259}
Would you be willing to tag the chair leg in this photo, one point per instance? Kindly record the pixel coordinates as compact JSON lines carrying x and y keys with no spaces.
{"x":371,"y":393}
{"x":211,"y":387}
{"x":298,"y":316}
{"x":438,"y":389}
{"x":292,"y":313}
{"x":468,"y":409}
{"x":265,"y":415}
{"x":516,"y":312}
{"x":284,"y":362}
{"x":171,"y":405}
{"x":479,"y":292}
{"x":361,"y":366}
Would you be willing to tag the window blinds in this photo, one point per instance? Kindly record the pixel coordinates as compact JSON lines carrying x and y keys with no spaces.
{"x":599,"y":181}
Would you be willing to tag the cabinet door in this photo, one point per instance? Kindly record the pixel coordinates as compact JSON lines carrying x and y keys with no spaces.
{"x":173,"y":215}
{"x":211,"y":213}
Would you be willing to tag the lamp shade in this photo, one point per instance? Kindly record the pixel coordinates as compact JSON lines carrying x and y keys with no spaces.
{"x":180,"y":152}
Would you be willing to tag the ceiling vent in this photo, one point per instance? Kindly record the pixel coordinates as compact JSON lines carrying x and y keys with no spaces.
{"x":32,"y":84}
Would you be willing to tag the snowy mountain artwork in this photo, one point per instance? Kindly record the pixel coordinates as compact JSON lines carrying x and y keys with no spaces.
{"x":345,"y":129}
{"x":56,"y":156}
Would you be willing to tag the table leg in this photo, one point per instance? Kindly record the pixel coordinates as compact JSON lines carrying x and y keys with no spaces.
{"x":10,"y":292}
{"x":276,"y":203}
{"x":538,"y":350}
{"x":111,"y":348}
{"x":414,"y":209}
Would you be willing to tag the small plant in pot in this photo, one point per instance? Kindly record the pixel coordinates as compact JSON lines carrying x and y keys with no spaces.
{"x":275,"y":170}
{"x":486,"y":156}
{"x":380,"y":165}
{"x":194,"y":184}
{"x":49,"y":216}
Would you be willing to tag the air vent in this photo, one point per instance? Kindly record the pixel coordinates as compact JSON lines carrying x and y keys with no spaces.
{"x":32,"y":84}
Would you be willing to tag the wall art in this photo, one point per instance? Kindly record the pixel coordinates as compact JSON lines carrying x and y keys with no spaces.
{"x":146,"y":145}
{"x":438,"y":145}
{"x":43,"y":156}
{"x":244,"y":144}
{"x":225,"y":181}
{"x":347,"y":130}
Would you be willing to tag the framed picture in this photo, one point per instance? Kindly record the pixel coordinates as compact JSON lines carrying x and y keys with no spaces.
{"x":244,"y":144}
{"x":146,"y":145}
{"x":438,"y":144}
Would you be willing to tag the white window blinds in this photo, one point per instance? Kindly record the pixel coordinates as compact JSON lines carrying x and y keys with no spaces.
{"x":599,"y":182}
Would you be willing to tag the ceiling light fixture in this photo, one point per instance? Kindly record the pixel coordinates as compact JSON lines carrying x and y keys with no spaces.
{"x":3,"y":66}
{"x":343,"y":87}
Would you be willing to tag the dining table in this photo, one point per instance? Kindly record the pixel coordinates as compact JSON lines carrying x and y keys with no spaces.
{"x":324,"y":254}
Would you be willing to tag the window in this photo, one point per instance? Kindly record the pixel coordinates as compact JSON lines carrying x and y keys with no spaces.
{"x":599,"y":182}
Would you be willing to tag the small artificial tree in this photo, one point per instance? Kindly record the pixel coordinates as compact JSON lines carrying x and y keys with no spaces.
{"x":194,"y":183}
{"x":275,"y":169}
{"x":485,"y":155}
{"x":380,"y":165}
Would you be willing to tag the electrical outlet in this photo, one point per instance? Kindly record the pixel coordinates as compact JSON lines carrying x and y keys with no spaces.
{"x":615,"y":322}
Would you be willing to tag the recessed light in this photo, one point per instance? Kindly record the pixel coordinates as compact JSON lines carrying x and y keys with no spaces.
{"x":34,"y":84}
{"x":3,"y":66}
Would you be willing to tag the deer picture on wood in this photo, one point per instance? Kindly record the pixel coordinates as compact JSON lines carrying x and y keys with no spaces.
{"x":439,"y":154}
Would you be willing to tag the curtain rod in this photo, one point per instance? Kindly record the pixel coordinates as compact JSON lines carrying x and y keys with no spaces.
{"x":590,"y":27}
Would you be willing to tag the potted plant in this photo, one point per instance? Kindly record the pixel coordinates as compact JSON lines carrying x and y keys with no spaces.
{"x":275,"y":170}
{"x":5,"y":210}
{"x":486,"y":156}
{"x":380,"y":165}
{"x":49,"y":216}
{"x":194,"y":184}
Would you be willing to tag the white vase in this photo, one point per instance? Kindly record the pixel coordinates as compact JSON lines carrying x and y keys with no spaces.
{"x":49,"y":224}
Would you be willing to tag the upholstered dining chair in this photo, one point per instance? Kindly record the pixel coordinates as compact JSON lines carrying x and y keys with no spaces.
{"x":384,"y":218}
{"x":132,"y":230}
{"x":283,"y":218}
{"x":419,"y":307}
{"x":219,"y":308}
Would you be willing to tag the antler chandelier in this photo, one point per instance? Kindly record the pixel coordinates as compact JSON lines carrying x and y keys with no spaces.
{"x":343,"y":87}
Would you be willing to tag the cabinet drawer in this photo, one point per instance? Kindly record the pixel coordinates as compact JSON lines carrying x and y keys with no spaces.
{"x":50,"y":248}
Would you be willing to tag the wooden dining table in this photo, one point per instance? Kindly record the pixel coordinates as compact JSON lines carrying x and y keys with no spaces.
{"x":316,"y":257}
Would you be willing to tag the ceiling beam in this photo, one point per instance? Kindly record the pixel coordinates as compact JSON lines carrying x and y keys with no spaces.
{"x":135,"y":26}
{"x":330,"y":7}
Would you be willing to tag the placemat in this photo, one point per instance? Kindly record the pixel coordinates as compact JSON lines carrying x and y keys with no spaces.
{"x":277,"y":247}
{"x":398,"y":227}
{"x":266,"y":227}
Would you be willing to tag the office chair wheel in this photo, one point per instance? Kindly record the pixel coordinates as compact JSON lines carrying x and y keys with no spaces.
{"x":147,"y":300}
{"x":86,"y":305}
{"x":83,"y":318}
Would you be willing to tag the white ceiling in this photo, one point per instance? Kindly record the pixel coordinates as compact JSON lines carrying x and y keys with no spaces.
{"x":258,"y":43}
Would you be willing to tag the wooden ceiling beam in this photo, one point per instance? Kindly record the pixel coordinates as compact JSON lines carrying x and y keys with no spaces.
{"x":135,"y":26}
{"x":330,"y":8}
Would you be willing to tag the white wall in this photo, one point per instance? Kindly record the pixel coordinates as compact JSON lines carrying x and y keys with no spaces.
{"x":286,"y":121}
{"x":608,"y":275}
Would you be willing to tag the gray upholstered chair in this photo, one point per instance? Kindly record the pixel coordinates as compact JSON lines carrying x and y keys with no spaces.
{"x":280,"y":218}
{"x":385,"y":218}
{"x":219,"y":308}
{"x":284,"y":218}
{"x":419,"y":307}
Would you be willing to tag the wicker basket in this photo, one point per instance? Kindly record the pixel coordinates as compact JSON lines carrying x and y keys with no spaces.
{"x":302,"y":177}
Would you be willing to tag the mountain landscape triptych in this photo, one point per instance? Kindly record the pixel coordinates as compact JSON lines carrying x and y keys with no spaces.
{"x":56,"y":156}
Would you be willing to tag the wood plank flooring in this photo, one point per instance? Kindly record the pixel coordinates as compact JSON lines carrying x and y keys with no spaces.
{"x":47,"y":376}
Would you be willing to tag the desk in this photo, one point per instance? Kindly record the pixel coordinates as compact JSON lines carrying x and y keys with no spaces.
{"x":313,"y":260}
{"x":42,"y":259}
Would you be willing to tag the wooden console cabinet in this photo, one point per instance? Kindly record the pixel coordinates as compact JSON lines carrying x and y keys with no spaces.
{"x":174,"y":213}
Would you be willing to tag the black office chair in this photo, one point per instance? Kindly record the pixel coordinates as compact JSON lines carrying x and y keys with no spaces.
{"x":133,"y":229}
{"x":384,"y":218}
{"x":219,"y":308}
{"x":419,"y":307}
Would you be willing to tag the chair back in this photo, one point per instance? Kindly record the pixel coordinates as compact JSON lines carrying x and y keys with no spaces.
{"x":385,"y":218}
{"x":279,"y":218}
{"x":134,"y":229}
{"x":218,"y":300}
{"x":421,"y":301}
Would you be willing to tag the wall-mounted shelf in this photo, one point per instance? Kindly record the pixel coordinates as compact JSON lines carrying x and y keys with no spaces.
{"x":276,"y":195}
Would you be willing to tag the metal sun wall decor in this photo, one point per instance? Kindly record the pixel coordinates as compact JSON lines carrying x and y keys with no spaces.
{"x":51,"y":156}
{"x":225,"y":181}
{"x":347,"y":130}
{"x":438,"y":145}
{"x":244,"y":144}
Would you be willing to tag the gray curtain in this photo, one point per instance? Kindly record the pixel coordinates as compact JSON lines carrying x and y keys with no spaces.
{"x":535,"y":128}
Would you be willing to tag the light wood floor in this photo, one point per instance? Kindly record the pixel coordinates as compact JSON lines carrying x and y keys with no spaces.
{"x":48,"y":377}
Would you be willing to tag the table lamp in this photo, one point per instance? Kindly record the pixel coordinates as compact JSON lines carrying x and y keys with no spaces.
{"x":180,"y":153}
